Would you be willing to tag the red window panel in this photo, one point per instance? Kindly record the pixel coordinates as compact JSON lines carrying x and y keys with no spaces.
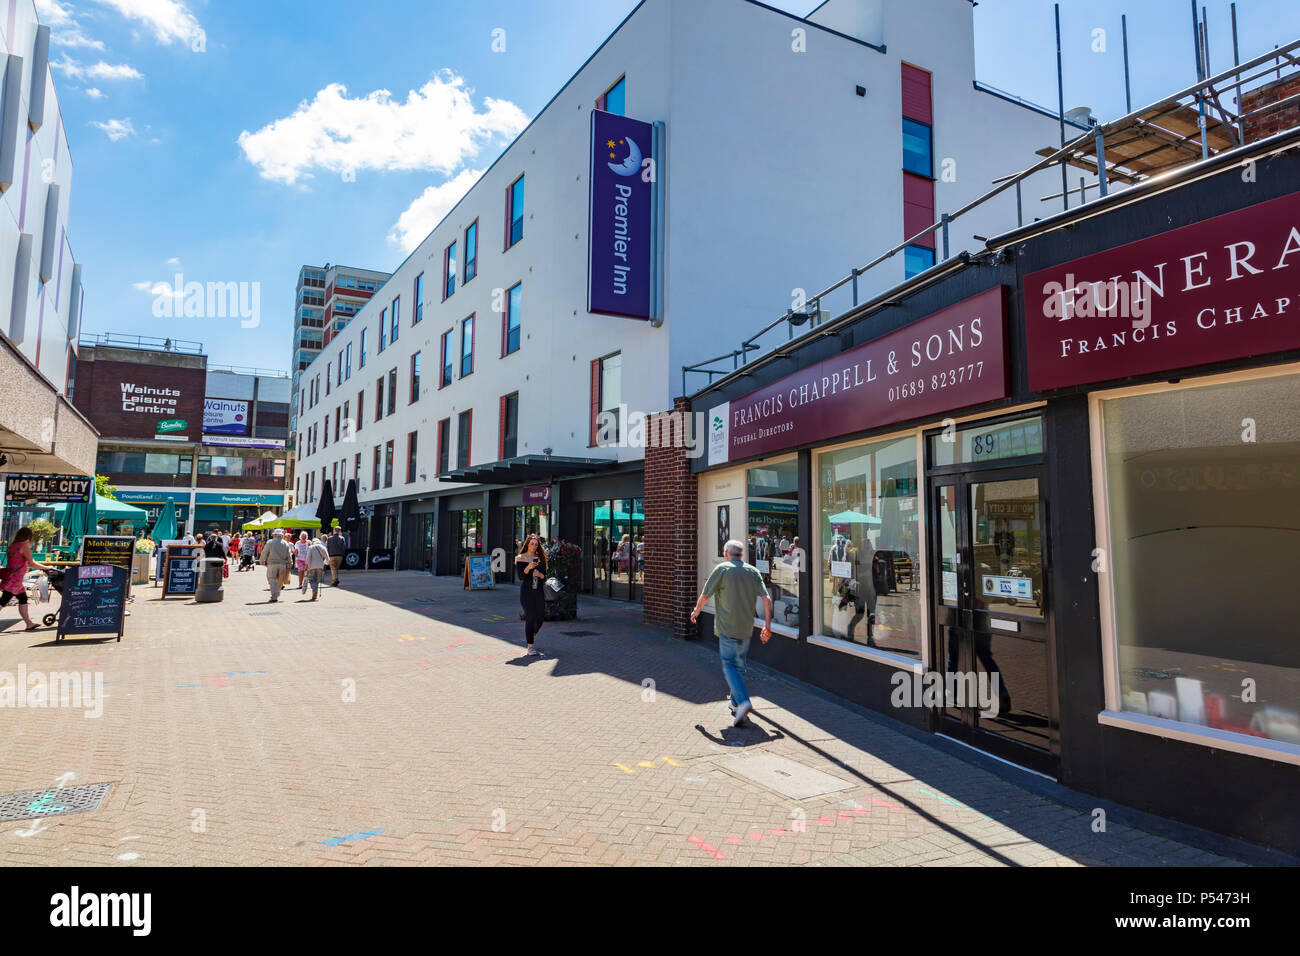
{"x":917,"y":102}
{"x":501,"y":429}
{"x":595,"y":402}
{"x":918,"y":207}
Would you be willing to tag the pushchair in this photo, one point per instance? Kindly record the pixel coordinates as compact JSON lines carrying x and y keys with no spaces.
{"x":55,"y":577}
{"x":245,"y":561}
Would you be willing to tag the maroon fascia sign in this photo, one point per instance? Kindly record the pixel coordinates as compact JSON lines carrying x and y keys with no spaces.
{"x":951,"y":359}
{"x":1225,"y":288}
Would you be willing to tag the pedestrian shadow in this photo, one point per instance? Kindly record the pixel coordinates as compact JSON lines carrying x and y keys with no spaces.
{"x":749,"y":736}
{"x":527,"y":660}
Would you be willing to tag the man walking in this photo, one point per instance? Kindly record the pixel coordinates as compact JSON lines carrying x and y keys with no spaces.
{"x":275,"y":556}
{"x":337,"y":547}
{"x":735,"y":588}
{"x":317,"y":557}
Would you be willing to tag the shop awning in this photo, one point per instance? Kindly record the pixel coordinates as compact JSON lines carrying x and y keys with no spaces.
{"x":529,"y":470}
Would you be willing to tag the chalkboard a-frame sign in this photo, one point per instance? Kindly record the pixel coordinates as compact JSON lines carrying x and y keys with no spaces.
{"x":180,"y":571}
{"x":94,"y":600}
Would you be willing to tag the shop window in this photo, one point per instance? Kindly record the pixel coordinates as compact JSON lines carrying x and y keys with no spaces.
{"x":773,"y":536}
{"x":869,"y":561}
{"x":1204,"y":517}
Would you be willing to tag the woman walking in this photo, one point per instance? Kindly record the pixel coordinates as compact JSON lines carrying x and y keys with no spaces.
{"x":531,"y":565}
{"x":300,"y":550}
{"x":18,"y":561}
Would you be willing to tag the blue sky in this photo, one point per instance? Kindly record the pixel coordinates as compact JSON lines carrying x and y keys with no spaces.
{"x":222,"y":154}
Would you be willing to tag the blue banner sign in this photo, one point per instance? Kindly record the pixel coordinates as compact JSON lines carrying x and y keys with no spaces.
{"x":620,"y":254}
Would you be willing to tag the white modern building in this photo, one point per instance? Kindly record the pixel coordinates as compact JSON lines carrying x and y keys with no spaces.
{"x":463,"y":397}
{"x":40,"y":281}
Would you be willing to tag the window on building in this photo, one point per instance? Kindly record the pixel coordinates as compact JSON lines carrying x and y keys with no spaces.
{"x":447,"y":355}
{"x":374,"y":485}
{"x":467,"y":346}
{"x":410,"y":456}
{"x":611,"y":101}
{"x":361,"y":358}
{"x":867,"y":505}
{"x":607,"y":397}
{"x":334,"y":474}
{"x":338,"y":422}
{"x":417,"y":314}
{"x":396,"y":325}
{"x":512,"y":321}
{"x":449,"y":271}
{"x":383,"y":329}
{"x":1194,"y":510}
{"x":348,"y":426}
{"x":356,"y":468}
{"x":379,"y":398}
{"x":388,"y":465}
{"x":326,"y":443}
{"x":444,"y":442}
{"x":392,"y":390}
{"x":515,"y":212}
{"x":471,"y":251}
{"x":361,"y":407}
{"x":916,"y":259}
{"x":347,"y":362}
{"x":464,"y":427}
{"x":918,"y":148}
{"x":329,"y":369}
{"x":415,"y":378}
{"x":509,"y":427}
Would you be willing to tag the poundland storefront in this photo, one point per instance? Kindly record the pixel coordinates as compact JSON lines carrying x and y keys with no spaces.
{"x":1047,"y":501}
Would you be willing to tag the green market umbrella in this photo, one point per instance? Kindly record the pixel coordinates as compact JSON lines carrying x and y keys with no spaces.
{"x":164,"y":528}
{"x":79,"y":520}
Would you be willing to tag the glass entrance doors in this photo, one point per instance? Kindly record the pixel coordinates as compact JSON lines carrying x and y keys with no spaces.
{"x":990,"y":612}
{"x":617,"y":547}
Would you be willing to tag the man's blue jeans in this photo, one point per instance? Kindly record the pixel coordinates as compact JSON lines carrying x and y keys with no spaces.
{"x":734,"y":654}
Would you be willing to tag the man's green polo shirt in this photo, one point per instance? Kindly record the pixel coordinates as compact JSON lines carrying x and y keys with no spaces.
{"x":735,"y":588}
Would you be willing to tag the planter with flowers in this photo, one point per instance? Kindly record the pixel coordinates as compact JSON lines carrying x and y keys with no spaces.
{"x":564,"y":562}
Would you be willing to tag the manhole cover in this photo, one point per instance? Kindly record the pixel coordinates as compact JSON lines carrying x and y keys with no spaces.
{"x":787,"y":777}
{"x":580,"y":633}
{"x":33,"y":804}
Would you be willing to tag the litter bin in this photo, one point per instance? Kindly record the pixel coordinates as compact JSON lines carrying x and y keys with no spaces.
{"x":208,"y":589}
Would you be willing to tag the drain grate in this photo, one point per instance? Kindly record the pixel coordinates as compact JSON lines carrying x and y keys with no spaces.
{"x":34,"y":804}
{"x":580,"y":633}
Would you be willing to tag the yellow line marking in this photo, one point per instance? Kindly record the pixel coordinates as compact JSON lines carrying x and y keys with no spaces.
{"x":670,"y":761}
{"x":645,"y":763}
{"x":624,"y":769}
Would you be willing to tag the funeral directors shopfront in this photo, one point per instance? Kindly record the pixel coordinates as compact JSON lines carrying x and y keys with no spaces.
{"x":1046,"y":501}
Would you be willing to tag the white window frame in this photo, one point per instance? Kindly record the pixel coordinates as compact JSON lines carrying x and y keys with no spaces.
{"x":1113,"y":715}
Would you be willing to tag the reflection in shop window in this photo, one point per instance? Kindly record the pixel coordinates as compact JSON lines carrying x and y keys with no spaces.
{"x":774,"y":548}
{"x":870,"y":545}
{"x":1205,"y":554}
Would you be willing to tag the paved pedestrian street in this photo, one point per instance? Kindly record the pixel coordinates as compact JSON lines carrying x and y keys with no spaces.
{"x":396,"y":721}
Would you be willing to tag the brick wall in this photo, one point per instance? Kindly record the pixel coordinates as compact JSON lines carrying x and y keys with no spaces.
{"x":1273,"y":121}
{"x":670,"y":518}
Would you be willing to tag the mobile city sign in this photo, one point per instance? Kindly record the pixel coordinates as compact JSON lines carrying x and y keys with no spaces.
{"x":622,"y":222}
{"x":1224,"y":288}
{"x":952,"y":359}
{"x":69,"y":489}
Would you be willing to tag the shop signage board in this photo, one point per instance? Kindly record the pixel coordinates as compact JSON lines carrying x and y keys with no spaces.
{"x":52,"y":489}
{"x":235,"y":441}
{"x":117,"y":550}
{"x":620,"y":254}
{"x":478,"y":572}
{"x":1224,"y":288}
{"x":223,"y":416}
{"x":181,"y":570}
{"x":537,"y":495}
{"x":1022,"y":589}
{"x":949,"y":360}
{"x":94,"y":600}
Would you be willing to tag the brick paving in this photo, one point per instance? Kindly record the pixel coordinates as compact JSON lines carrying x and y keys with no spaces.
{"x":396,"y":722}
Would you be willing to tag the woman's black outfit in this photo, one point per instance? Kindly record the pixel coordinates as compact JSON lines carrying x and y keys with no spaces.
{"x":531,"y":599}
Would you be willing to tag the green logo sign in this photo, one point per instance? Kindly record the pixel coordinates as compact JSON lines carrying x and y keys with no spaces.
{"x":717,"y":423}
{"x":172,"y":425}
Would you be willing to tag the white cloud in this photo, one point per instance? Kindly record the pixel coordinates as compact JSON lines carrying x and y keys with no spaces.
{"x":173,"y":261}
{"x":428,"y":209}
{"x":158,"y":288}
{"x":64,"y":28}
{"x":115,"y":129}
{"x":169,"y":20}
{"x":437,"y":128}
{"x":96,"y":71}
{"x":95,"y":93}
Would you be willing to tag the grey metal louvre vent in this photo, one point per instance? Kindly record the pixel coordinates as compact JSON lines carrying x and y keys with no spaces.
{"x":34,"y":804}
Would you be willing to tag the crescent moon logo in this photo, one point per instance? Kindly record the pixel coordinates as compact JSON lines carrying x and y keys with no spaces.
{"x":632,"y":165}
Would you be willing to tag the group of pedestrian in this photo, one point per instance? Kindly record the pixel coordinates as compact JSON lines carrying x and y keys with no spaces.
{"x":309,"y":557}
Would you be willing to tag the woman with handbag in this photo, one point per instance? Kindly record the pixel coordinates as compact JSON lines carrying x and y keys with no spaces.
{"x":531,"y":565}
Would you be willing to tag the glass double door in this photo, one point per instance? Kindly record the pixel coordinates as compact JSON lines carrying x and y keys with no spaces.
{"x":991,"y":602}
{"x":617,"y":546}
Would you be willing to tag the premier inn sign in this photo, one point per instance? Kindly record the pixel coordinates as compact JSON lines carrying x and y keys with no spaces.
{"x":1224,"y":288}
